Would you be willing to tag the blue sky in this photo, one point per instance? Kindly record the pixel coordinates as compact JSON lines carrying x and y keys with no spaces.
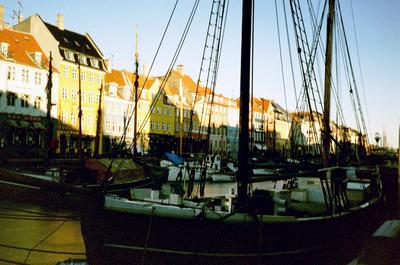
{"x":112,"y":25}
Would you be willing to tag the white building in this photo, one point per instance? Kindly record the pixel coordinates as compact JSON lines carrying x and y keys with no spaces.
{"x":23,"y":99}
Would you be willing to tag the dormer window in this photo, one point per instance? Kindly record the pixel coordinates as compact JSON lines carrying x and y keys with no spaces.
{"x":82,"y":59}
{"x":94,"y":62}
{"x":38,"y":57}
{"x":112,"y":90}
{"x":4,"y":49}
{"x":69,"y":55}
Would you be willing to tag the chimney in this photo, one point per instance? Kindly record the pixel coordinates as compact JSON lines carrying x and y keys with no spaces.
{"x":20,"y":18}
{"x":60,"y":21}
{"x":1,"y":16}
{"x":181,"y":69}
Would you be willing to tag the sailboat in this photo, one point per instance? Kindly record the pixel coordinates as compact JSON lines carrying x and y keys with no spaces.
{"x":267,"y":225}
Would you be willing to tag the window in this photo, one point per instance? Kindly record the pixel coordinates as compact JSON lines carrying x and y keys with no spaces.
{"x":4,"y":49}
{"x":74,"y":94}
{"x":65,"y":72}
{"x":11,"y":98}
{"x":151,"y":125}
{"x":91,"y":79}
{"x":73,"y":118}
{"x":83,"y":96}
{"x":97,"y":79}
{"x":107,"y":125}
{"x":169,"y":112}
{"x":98,"y":98}
{"x":65,"y":93}
{"x":24,"y":101}
{"x":69,"y":55}
{"x":164,"y":127}
{"x":90,"y":97}
{"x":168,"y":127}
{"x":25,"y":76}
{"x":64,"y":116}
{"x":37,"y":102}
{"x":94,"y":62}
{"x":83,"y":76}
{"x":82,"y":59}
{"x":158,"y":125}
{"x":38,"y":78}
{"x":74,"y":74}
{"x":158,"y":110}
{"x":11,"y":73}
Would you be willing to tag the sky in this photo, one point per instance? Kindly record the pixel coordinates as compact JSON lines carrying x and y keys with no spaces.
{"x":113,"y":24}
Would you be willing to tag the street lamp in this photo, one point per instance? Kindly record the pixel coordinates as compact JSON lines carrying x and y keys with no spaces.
{"x":377,"y":138}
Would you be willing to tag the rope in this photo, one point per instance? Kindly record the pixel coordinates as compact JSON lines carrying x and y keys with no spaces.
{"x":43,"y":251}
{"x":147,"y":236}
{"x":44,"y":239}
{"x":208,"y":254}
{"x":359,"y":65}
{"x":136,"y":106}
{"x":30,"y":218}
{"x":281,"y":59}
{"x":10,"y":261}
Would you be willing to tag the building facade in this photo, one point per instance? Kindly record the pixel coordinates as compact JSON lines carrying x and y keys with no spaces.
{"x":24,"y":69}
{"x":82,"y":70}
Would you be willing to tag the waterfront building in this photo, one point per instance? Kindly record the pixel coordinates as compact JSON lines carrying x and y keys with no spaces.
{"x":155,"y":119}
{"x":232,"y":116}
{"x":24,"y":70}
{"x":219,"y":122}
{"x":117,"y":120}
{"x":82,"y":69}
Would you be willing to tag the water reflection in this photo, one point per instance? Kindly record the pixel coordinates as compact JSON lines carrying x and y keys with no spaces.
{"x":50,"y":234}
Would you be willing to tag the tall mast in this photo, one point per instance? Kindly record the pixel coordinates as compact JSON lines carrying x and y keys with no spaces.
{"x":80,"y":153}
{"x":136,"y":85}
{"x":181,"y":118}
{"x":243,"y":169}
{"x":48,"y":152}
{"x":327,"y":92}
{"x":98,"y":124}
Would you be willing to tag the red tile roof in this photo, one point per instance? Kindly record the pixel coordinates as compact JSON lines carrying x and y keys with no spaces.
{"x":130,"y":76}
{"x":115,"y":77}
{"x":21,"y":48}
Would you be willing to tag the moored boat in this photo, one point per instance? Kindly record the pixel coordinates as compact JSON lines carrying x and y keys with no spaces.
{"x":313,"y":217}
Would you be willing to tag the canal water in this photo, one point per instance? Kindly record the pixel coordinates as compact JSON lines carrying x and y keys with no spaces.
{"x":32,"y":234}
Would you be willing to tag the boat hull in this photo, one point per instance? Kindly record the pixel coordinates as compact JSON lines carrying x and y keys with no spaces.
{"x":117,"y":237}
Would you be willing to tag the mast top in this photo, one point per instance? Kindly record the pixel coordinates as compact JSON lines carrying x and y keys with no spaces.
{"x":137,"y":44}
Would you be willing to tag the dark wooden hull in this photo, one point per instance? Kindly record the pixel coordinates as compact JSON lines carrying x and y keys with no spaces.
{"x":113,"y":237}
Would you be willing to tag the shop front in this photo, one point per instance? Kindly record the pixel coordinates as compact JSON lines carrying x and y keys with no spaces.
{"x":22,"y":136}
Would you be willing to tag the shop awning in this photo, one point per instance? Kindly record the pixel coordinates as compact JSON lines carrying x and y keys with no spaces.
{"x":38,"y":125}
{"x":24,"y":124}
{"x":12,"y":123}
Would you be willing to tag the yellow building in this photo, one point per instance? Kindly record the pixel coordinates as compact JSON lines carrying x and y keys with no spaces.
{"x":155,"y":115}
{"x":82,"y":68}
